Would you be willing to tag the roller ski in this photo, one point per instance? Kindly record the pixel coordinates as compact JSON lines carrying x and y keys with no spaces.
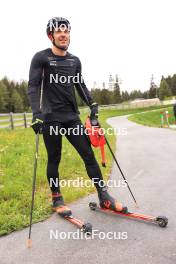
{"x":162,"y":221}
{"x":65,"y":212}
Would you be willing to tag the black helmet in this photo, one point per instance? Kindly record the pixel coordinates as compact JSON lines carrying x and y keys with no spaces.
{"x":55,"y":22}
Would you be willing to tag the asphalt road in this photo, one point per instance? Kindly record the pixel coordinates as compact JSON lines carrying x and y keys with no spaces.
{"x":147,"y":157}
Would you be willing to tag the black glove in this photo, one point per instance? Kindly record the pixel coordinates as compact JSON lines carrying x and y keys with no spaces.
{"x":94,"y":114}
{"x":37,"y":124}
{"x":94,"y":111}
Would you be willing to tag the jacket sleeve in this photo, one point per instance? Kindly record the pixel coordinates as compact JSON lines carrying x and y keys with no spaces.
{"x":34,"y":84}
{"x":81,"y":87}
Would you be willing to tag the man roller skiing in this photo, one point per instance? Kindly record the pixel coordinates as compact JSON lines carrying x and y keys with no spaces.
{"x":56,"y":68}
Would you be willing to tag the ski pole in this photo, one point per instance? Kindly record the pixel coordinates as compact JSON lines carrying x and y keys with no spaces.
{"x":35,"y":168}
{"x":120,"y":170}
{"x":33,"y":188}
{"x":97,"y":122}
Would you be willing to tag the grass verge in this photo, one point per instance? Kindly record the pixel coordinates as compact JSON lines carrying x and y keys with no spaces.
{"x":152,"y":118}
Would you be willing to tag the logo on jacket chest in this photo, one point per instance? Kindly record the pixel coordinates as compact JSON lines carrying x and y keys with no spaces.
{"x":61,"y":63}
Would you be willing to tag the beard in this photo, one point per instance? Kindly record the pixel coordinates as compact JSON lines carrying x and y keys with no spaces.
{"x":62,"y":44}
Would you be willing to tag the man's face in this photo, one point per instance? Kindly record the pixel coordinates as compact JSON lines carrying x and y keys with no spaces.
{"x":62,"y":36}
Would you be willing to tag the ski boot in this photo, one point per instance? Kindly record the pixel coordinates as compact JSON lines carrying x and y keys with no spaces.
{"x":59,"y":206}
{"x":108,"y":202}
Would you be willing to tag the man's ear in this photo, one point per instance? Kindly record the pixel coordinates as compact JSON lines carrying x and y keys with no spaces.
{"x":50,"y":36}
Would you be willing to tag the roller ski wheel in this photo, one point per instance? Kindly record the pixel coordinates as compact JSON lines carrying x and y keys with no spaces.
{"x":87,"y":228}
{"x":162,"y":221}
{"x":93,"y":206}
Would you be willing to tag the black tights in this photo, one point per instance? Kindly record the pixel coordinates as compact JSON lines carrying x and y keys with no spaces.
{"x":80,"y":142}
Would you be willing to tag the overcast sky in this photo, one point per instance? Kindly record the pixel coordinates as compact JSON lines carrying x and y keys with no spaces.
{"x":131,"y":38}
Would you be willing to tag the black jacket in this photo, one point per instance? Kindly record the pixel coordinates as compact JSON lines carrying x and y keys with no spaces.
{"x":61,"y":75}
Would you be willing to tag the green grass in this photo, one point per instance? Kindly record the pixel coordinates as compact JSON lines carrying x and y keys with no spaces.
{"x":17,"y":150}
{"x":169,"y":98}
{"x":152,"y":118}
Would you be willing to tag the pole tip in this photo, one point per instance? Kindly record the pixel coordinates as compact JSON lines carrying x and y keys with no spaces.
{"x":29,"y":243}
{"x":137,"y":206}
